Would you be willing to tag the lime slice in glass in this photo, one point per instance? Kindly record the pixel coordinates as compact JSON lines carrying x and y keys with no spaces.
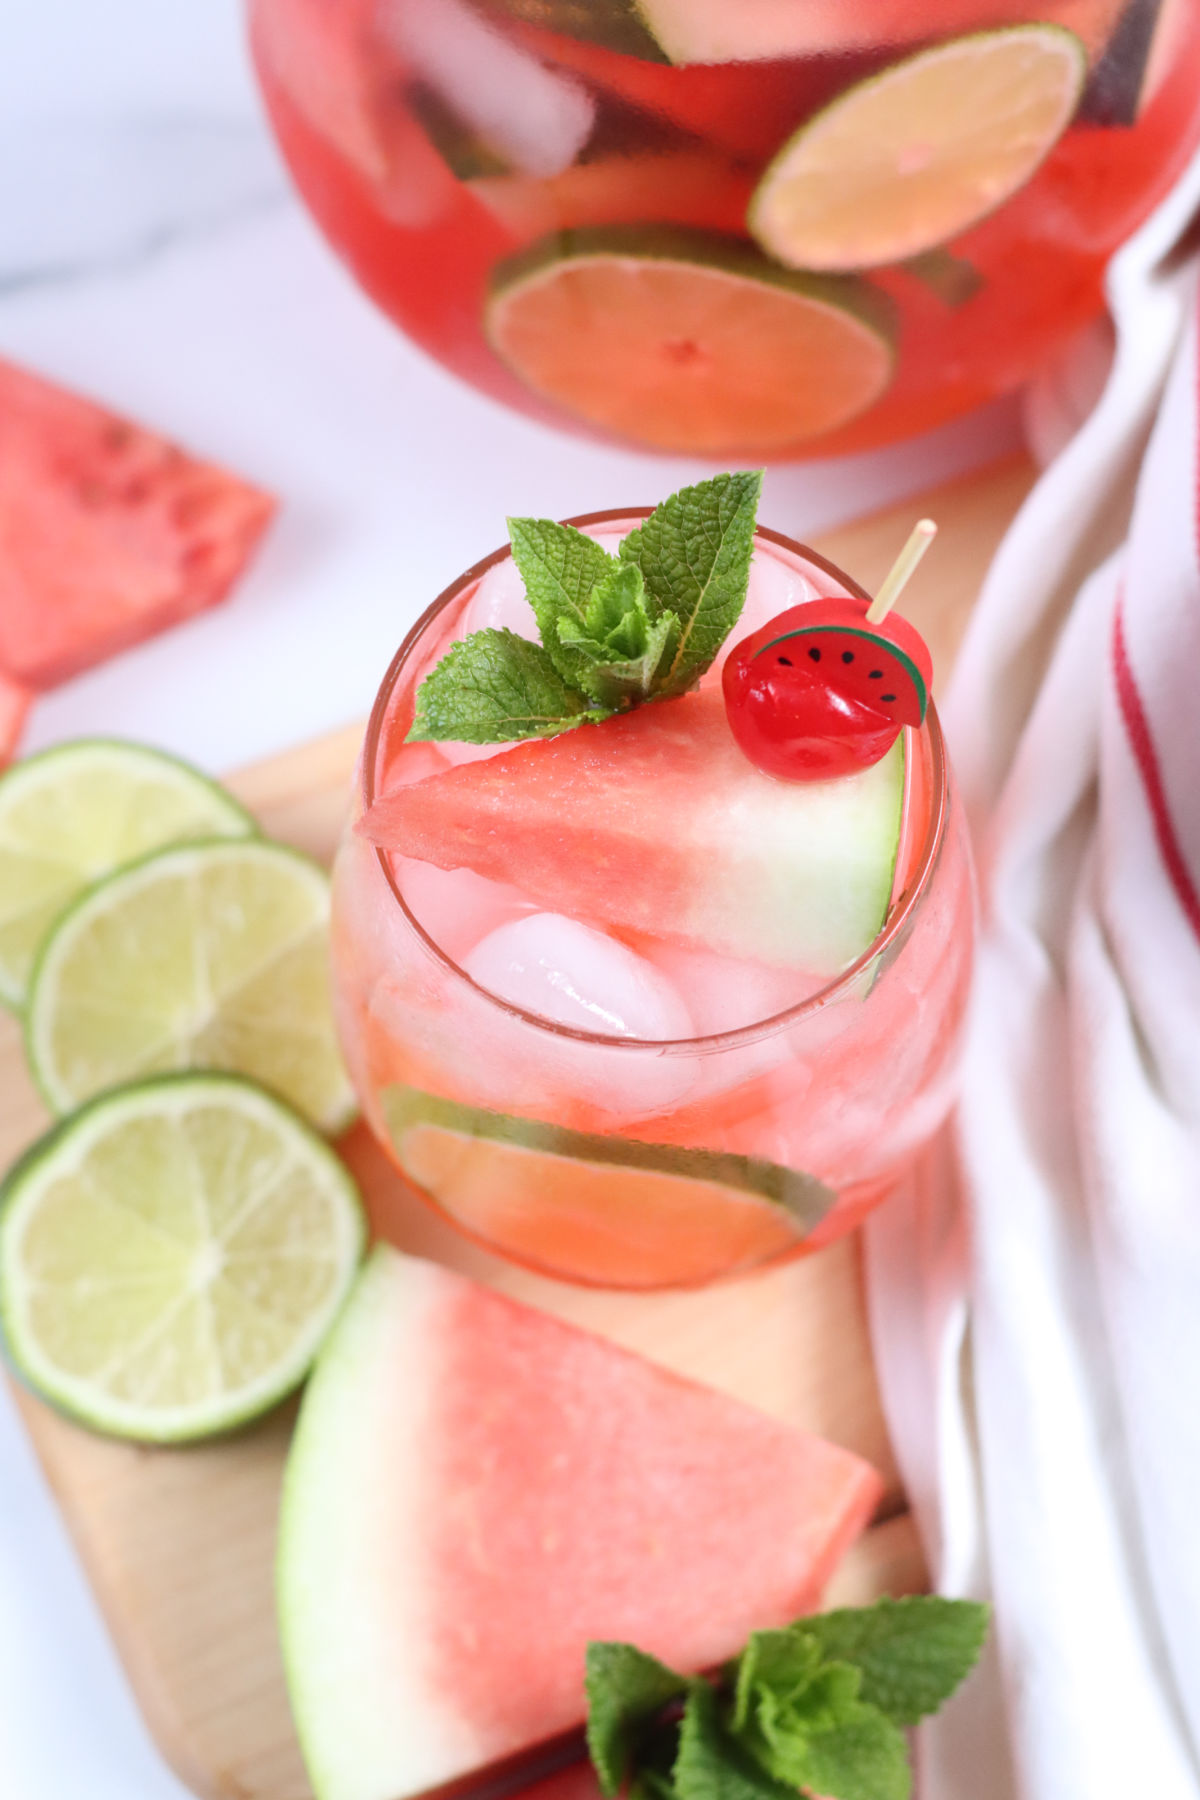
{"x":205,"y":956}
{"x":914,"y":155}
{"x":172,"y":1256}
{"x":72,"y":814}
{"x":689,"y":340}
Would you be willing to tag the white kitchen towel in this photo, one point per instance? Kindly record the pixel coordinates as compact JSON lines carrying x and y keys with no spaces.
{"x":1035,"y":1299}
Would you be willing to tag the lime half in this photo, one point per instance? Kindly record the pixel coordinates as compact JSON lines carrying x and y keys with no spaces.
{"x":206,"y":956}
{"x":173,"y":1255}
{"x":73,"y":814}
{"x":914,"y":155}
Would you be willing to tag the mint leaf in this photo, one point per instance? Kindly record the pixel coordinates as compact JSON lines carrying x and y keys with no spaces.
{"x":493,"y":686}
{"x":913,"y":1653}
{"x":616,"y":610}
{"x":626,"y":1689}
{"x":621,"y":648}
{"x":561,"y":568}
{"x":782,"y":1662}
{"x":861,"y":1757}
{"x":786,"y":1697}
{"x":694,"y":555}
{"x":711,"y":1764}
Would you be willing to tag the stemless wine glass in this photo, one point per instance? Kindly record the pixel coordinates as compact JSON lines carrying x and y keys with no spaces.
{"x":736,"y":228}
{"x":614,"y":1161}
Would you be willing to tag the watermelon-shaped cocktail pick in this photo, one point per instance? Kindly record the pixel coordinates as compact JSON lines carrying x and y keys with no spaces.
{"x":824,"y":688}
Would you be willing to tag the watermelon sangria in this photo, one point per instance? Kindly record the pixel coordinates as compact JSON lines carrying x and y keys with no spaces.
{"x":626,"y":1003}
{"x":736,"y":228}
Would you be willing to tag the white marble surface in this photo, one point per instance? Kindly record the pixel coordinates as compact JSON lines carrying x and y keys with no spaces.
{"x":152,"y":254}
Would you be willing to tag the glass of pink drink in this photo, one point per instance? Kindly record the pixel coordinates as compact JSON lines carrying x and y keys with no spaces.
{"x":602,"y":1061}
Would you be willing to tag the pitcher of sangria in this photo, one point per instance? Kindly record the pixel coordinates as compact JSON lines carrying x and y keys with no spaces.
{"x":734,"y":228}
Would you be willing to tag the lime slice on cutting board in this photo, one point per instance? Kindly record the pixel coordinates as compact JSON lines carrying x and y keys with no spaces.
{"x":73,"y":814}
{"x":211,"y":955}
{"x":912,"y":156}
{"x":172,"y":1256}
{"x":688,"y":340}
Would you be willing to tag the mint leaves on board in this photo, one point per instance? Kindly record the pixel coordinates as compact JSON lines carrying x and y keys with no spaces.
{"x":817,"y":1708}
{"x":616,"y":631}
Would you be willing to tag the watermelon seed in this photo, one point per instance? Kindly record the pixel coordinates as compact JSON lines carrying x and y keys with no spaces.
{"x":816,"y":655}
{"x":875,"y":675}
{"x":887,"y":696}
{"x":785,"y":660}
{"x":847,"y":656}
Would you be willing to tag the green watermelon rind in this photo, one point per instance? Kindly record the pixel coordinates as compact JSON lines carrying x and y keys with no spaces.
{"x":804,"y":1198}
{"x":618,"y":25}
{"x":884,"y":645}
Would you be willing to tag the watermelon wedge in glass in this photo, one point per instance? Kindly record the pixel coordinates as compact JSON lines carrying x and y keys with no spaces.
{"x":626,"y":1007}
{"x":476,"y":1489}
{"x":108,"y":532}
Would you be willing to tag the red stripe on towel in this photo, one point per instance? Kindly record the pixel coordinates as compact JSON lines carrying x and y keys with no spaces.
{"x":1146,"y":757}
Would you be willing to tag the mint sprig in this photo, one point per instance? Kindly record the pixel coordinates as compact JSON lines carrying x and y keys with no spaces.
{"x":694,"y":554}
{"x":817,"y":1708}
{"x":616,"y":631}
{"x":494,"y":686}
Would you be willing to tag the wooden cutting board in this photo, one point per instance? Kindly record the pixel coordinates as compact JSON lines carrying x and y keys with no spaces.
{"x":179,"y":1544}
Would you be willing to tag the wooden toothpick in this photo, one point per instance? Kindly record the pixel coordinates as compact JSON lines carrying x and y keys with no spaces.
{"x":898,"y":576}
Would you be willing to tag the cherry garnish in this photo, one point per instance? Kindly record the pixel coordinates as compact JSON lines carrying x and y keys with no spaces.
{"x":817,"y":692}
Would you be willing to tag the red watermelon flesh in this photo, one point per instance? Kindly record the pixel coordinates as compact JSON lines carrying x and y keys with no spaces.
{"x":108,"y":533}
{"x":657,"y":821}
{"x":477,"y":1489}
{"x":15,"y":702}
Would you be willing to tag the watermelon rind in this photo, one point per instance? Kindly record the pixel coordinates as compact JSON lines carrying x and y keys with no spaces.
{"x":805,"y":1199}
{"x":617,"y":25}
{"x":323,"y":1572}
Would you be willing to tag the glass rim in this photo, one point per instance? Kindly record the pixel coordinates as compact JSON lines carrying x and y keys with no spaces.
{"x":701,"y":1043}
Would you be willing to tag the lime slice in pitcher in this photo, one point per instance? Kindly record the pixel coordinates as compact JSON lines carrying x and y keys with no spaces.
{"x":688,"y":340}
{"x":172,"y":1256}
{"x":207,"y":956}
{"x":914,"y":155}
{"x":72,"y":814}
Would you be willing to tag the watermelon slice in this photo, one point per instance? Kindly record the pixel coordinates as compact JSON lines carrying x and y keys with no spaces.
{"x":15,"y":702}
{"x":657,"y":821}
{"x":108,"y":533}
{"x":476,"y":1489}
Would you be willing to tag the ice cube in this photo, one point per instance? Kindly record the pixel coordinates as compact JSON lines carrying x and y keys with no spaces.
{"x":456,"y":907}
{"x":499,"y":603}
{"x":536,"y":118}
{"x":570,"y":974}
{"x":774,"y":587}
{"x":723,"y":993}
